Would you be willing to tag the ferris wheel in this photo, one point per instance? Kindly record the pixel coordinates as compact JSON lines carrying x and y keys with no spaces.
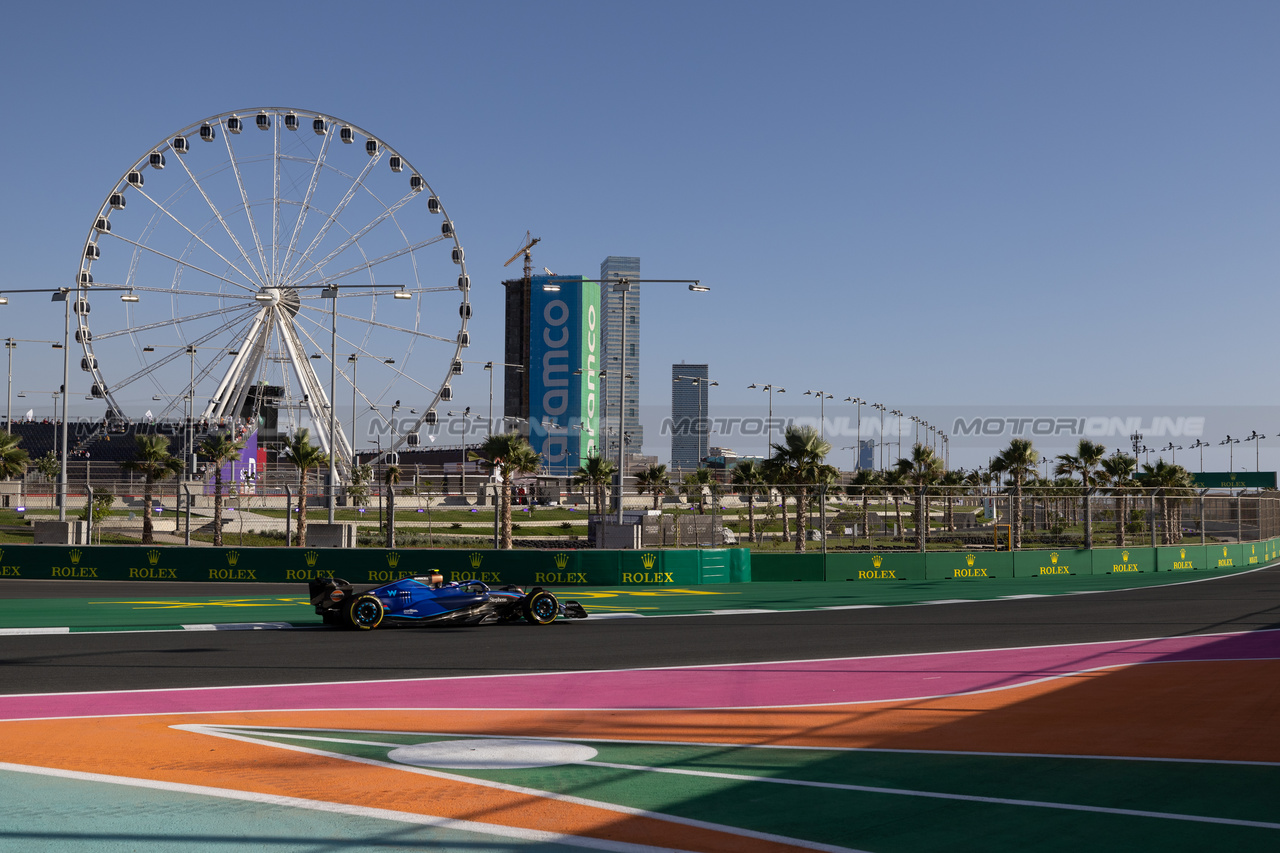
{"x":255,"y":256}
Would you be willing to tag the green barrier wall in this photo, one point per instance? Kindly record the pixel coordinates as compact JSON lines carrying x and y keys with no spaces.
{"x":877,"y":568}
{"x":1115,"y":561}
{"x":375,"y":565}
{"x":605,"y":568}
{"x":976,"y":565}
{"x":768,"y":566}
{"x":1184,"y":558}
{"x":1063,"y":562}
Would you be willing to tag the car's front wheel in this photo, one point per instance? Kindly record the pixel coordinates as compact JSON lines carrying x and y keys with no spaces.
{"x":541,"y":608}
{"x":365,"y":612}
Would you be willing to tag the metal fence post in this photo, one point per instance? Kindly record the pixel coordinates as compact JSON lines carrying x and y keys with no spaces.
{"x":1151,"y":522}
{"x":1202,"y":532}
{"x":89,"y":526}
{"x":187,"y":490}
{"x":288,"y":519}
{"x":1239,"y":518}
{"x":822,"y":520}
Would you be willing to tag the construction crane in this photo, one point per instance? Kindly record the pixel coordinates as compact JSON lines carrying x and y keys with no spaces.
{"x":529,"y":243}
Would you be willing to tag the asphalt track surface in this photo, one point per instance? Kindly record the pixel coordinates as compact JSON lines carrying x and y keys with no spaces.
{"x":69,"y":663}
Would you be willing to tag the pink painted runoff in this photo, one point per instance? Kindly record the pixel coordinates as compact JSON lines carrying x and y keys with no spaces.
{"x":838,"y":681}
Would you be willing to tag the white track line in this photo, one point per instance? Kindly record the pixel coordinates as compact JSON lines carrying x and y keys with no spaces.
{"x":529,"y":835}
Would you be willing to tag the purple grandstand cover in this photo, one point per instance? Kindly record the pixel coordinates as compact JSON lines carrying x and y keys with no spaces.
{"x":243,"y":471}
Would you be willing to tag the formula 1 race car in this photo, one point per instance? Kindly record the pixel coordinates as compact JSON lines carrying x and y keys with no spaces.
{"x":430,"y":601}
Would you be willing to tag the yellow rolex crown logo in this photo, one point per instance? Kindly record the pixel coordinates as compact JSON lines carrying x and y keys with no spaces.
{"x":1182,"y":553}
{"x":153,"y":557}
{"x":969,"y":558}
{"x":1224,"y":550}
{"x":233,"y":557}
{"x":1053,"y":558}
{"x":647,"y":560}
{"x":393,"y":559}
{"x":311,"y":557}
{"x":877,"y":560}
{"x":476,"y":560}
{"x":75,"y":556}
{"x":562,"y":560}
{"x":1124,"y":556}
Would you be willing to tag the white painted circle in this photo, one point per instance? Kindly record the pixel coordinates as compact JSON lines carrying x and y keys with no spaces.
{"x":492,"y":754}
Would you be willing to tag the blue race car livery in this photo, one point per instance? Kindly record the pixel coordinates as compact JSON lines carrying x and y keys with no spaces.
{"x":429,"y":601}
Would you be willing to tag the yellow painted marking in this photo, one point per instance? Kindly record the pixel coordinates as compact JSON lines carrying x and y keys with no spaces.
{"x":223,"y":602}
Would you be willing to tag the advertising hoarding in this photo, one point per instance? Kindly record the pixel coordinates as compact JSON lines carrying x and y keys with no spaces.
{"x":564,"y":364}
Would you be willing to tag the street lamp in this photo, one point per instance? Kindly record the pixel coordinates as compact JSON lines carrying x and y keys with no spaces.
{"x":880,"y":440}
{"x":62,"y":295}
{"x":703,"y":436}
{"x":490,"y":366}
{"x":898,"y":413}
{"x":11,"y":344}
{"x":1202,"y":445}
{"x":1231,"y":458}
{"x":1257,"y":441}
{"x":769,"y":424}
{"x":822,"y":411}
{"x":857,"y":458}
{"x":189,"y":452}
{"x":354,"y":361}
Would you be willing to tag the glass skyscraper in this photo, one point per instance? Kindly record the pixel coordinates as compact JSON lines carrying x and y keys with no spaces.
{"x":690,"y":436}
{"x":617,"y":391}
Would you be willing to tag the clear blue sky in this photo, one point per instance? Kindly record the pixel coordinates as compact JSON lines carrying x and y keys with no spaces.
{"x":930,"y":204}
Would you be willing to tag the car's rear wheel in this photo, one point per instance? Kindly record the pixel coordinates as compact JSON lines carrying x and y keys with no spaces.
{"x":365,"y":612}
{"x":541,"y":608}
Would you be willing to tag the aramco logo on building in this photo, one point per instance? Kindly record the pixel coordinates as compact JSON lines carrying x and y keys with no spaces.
{"x":564,"y":370}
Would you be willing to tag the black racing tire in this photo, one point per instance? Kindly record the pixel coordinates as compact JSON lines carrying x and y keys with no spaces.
{"x":540,"y":608}
{"x":364,"y":612}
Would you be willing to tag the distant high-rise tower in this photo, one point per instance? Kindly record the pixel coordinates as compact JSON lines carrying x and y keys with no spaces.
{"x":615,"y":362}
{"x":690,"y":437}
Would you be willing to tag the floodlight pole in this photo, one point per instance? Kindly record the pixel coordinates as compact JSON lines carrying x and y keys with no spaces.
{"x":333,"y":405}
{"x":9,"y":345}
{"x":63,"y":295}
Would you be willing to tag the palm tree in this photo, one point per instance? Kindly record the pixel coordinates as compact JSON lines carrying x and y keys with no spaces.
{"x":596,"y":472}
{"x":154,"y":463}
{"x":1118,"y":470}
{"x":305,"y":456}
{"x":699,"y":482}
{"x":391,"y":478}
{"x":1084,"y":463}
{"x":865,"y":483}
{"x":748,"y":476}
{"x":921,"y":469}
{"x":894,"y":485}
{"x":1172,"y":484}
{"x":802,"y":454}
{"x":953,"y":480}
{"x":220,"y":449}
{"x":1018,"y":462}
{"x":656,"y":480}
{"x":507,"y":455}
{"x":777,"y":476}
{"x":13,"y":459}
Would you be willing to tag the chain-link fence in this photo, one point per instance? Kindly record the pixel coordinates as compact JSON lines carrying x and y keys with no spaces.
{"x":444,"y":508}
{"x":941,"y":518}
